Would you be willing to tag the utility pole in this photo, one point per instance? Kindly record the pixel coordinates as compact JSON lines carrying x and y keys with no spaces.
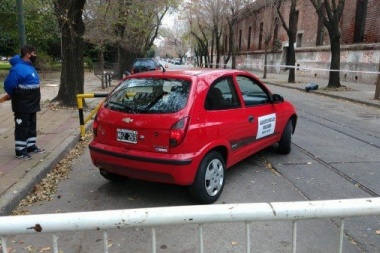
{"x":377,"y":91}
{"x":21,"y":24}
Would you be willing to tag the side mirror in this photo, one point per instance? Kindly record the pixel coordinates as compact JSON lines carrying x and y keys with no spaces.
{"x":277,"y":98}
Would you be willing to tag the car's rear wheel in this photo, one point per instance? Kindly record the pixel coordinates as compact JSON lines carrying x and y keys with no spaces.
{"x":111,"y":176}
{"x":209,"y":180}
{"x":285,"y":144}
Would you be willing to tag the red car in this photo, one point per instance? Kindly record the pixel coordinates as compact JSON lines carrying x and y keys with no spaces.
{"x":187,"y":127}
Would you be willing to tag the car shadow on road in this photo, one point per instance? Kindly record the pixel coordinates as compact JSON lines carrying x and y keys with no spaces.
{"x":142,"y":194}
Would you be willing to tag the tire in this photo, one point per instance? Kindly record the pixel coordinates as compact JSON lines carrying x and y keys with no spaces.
{"x":209,"y":180}
{"x":285,"y":144}
{"x":112,"y":177}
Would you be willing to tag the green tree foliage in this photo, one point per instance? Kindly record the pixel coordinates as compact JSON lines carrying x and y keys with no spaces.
{"x":40,"y":27}
{"x":8,"y":22}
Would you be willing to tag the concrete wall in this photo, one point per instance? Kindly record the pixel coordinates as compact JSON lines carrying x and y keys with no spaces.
{"x":358,"y":62}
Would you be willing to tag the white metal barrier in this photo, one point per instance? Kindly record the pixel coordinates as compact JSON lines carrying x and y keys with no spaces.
{"x":186,"y":215}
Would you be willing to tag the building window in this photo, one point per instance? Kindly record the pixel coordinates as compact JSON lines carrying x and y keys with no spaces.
{"x":249,"y":38}
{"x":261,"y":34}
{"x":240,"y":39}
{"x":299,"y":39}
{"x":360,"y":17}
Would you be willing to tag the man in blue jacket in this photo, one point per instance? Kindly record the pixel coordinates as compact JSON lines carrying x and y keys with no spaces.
{"x":23,"y":86}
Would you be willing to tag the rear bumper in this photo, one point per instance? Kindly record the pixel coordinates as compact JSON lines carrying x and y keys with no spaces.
{"x":163,"y":168}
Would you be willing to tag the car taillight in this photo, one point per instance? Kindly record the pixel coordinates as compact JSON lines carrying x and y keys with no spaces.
{"x":178,"y":132}
{"x":95,"y":126}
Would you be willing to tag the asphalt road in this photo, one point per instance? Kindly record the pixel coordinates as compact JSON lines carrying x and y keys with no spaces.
{"x":335,"y":154}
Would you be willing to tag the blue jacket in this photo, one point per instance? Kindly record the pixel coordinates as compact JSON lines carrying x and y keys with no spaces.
{"x":23,"y":85}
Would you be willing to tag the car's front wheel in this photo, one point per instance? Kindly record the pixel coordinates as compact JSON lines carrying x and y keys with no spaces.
{"x":209,"y":180}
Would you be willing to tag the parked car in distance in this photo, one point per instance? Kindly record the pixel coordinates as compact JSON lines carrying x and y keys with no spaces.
{"x":177,"y":61}
{"x":145,"y":64}
{"x":186,"y":127}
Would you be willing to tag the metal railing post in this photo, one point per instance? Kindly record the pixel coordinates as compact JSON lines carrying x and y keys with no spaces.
{"x":80,"y":102}
{"x":294,"y":240}
{"x":341,"y":233}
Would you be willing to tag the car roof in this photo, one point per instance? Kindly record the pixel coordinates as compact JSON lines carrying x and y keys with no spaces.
{"x":192,"y":72}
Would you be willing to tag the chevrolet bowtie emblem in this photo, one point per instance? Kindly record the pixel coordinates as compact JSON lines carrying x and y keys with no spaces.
{"x":127,"y":120}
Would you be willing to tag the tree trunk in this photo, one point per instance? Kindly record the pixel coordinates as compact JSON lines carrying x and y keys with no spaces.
{"x":334,"y":78}
{"x":291,"y":60}
{"x":233,"y":52}
{"x":69,"y":14}
{"x":292,"y":33}
{"x":200,"y":50}
{"x":101,"y":60}
{"x":125,"y":60}
{"x":331,"y":12}
{"x":230,"y":44}
{"x":212,"y":50}
{"x":265,"y":61}
{"x":233,"y":58}
{"x":207,"y":57}
{"x":217,"y":48}
{"x":377,"y":91}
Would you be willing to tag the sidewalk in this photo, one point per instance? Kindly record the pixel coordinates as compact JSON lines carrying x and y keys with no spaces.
{"x":58,"y":130}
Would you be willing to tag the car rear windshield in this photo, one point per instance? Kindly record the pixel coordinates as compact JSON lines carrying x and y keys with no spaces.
{"x":149,"y":95}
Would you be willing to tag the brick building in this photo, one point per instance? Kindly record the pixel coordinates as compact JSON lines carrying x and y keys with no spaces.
{"x":360,"y":39}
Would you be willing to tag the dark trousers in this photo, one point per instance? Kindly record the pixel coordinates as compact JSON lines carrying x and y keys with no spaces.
{"x":25,"y":132}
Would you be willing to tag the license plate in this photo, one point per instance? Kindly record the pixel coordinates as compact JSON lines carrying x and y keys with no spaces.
{"x":126,"y":135}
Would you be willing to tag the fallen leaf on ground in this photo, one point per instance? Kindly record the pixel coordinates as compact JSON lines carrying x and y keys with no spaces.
{"x":45,"y":190}
{"x":45,"y":249}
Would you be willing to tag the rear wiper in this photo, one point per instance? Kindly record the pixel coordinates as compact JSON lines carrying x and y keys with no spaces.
{"x":122,"y":107}
{"x":155,"y":100}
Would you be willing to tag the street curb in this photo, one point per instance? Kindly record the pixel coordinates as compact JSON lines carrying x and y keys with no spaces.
{"x":327,"y":95}
{"x":10,"y":200}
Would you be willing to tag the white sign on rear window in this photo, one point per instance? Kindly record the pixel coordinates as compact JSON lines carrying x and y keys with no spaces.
{"x":266,"y":125}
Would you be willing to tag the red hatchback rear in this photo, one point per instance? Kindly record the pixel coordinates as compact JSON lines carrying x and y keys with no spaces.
{"x":188,"y":127}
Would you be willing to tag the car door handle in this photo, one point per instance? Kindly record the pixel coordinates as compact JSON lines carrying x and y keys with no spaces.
{"x":251,"y":118}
